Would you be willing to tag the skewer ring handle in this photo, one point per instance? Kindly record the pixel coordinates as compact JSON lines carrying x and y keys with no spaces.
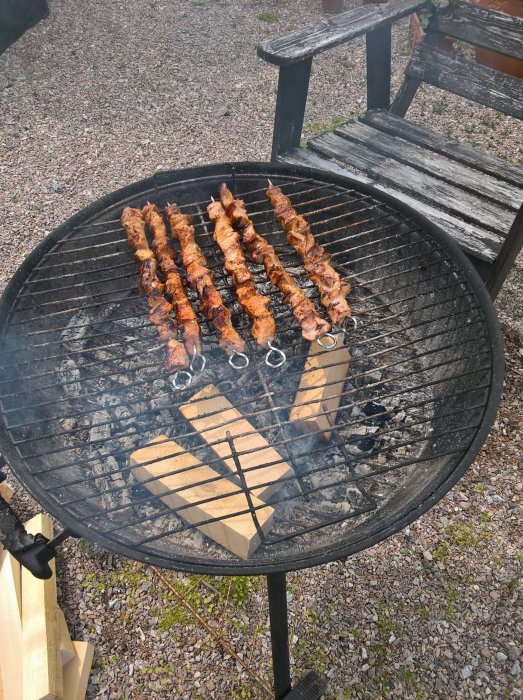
{"x":332,"y":341}
{"x":350,"y":323}
{"x":182,"y":379}
{"x":198,"y":362}
{"x":242,"y":363}
{"x":281,"y":357}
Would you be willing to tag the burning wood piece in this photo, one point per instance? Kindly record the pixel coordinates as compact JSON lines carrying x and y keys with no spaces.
{"x":255,"y":305}
{"x":315,"y":260}
{"x":172,"y":469}
{"x":185,"y":315}
{"x":160,"y":309}
{"x":202,"y":279}
{"x":214,"y":417}
{"x":311,"y":323}
{"x":319,"y":394}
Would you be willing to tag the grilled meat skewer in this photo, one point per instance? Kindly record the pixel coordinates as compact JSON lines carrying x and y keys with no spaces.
{"x":185,"y":315}
{"x":315,"y":260}
{"x":159,"y":308}
{"x":201,"y":278}
{"x":255,"y":305}
{"x":262,"y":252}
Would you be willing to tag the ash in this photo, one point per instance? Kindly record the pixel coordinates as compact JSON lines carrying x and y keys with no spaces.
{"x":338,"y":483}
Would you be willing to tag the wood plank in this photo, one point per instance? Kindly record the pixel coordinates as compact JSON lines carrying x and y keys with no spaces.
{"x":225,"y":418}
{"x":11,"y":643}
{"x":451,"y":71}
{"x":293,"y":86}
{"x":451,"y":148}
{"x":76,"y":672}
{"x":66,"y":644}
{"x":333,"y":31}
{"x":463,"y":204}
{"x":480,"y":26}
{"x":42,"y":664}
{"x":433,"y":163}
{"x":471,"y":238}
{"x":318,"y":397}
{"x":174,"y":468}
{"x":379,"y":47}
{"x":6,"y":492}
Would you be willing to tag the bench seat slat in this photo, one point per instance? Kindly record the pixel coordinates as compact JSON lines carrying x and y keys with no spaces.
{"x":436,"y":192}
{"x":474,"y":240}
{"x":439,"y":166}
{"x":450,"y":71}
{"x":396,"y":126}
{"x":481,"y":26}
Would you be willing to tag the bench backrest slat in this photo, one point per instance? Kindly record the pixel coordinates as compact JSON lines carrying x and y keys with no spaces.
{"x":450,"y":71}
{"x":480,"y":26}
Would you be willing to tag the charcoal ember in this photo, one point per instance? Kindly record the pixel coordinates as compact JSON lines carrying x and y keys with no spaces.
{"x":377,"y":413}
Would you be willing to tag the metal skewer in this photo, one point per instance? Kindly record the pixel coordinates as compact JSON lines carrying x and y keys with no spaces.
{"x":182,"y":379}
{"x":282,"y":357}
{"x":197,"y":357}
{"x":244,"y":359}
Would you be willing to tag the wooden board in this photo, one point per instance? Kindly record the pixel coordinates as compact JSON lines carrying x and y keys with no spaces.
{"x":76,"y":672}
{"x":473,"y":157}
{"x":236,"y":533}
{"x":11,"y":644}
{"x":435,"y":164}
{"x":42,"y":664}
{"x":332,"y":31}
{"x":6,"y":491}
{"x":450,"y":71}
{"x":480,"y":26}
{"x":426,"y":187}
{"x":319,"y":394}
{"x":225,"y":418}
{"x":474,"y":239}
{"x":66,"y":645}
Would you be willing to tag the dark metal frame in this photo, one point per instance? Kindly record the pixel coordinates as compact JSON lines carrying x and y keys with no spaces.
{"x":424,"y":501}
{"x":311,"y":687}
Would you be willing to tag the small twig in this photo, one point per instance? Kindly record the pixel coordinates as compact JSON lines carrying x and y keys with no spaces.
{"x":212,"y":631}
{"x":222,"y":620}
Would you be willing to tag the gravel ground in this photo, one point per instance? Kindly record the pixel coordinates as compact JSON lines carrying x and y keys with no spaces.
{"x":104,"y":93}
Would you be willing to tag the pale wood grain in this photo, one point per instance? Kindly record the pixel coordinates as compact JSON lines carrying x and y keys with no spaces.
{"x":226,"y":419}
{"x":319,"y":394}
{"x":11,"y":643}
{"x":76,"y":672}
{"x":236,"y":533}
{"x":42,"y":664}
{"x":66,"y":645}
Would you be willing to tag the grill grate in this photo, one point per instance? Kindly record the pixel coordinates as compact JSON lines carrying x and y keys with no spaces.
{"x":82,"y":384}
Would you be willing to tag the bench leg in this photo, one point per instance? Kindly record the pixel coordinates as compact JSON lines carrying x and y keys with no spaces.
{"x":293,"y":86}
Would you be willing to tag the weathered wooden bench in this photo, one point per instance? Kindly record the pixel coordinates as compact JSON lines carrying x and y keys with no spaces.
{"x":473,"y":196}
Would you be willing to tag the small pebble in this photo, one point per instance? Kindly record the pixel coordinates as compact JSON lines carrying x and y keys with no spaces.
{"x":466,"y":672}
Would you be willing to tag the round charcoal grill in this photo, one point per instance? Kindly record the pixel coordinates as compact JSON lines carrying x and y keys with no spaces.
{"x":83,"y":384}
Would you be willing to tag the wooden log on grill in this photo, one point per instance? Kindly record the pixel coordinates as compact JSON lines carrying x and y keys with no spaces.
{"x":171,"y":467}
{"x":319,"y":394}
{"x":225,"y":419}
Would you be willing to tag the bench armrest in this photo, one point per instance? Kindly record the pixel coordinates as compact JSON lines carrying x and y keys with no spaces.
{"x":307,"y":42}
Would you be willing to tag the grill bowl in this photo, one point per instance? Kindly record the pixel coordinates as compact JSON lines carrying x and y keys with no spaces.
{"x":82,"y":383}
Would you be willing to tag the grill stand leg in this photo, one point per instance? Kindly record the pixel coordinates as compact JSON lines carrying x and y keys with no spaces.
{"x":310,"y":687}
